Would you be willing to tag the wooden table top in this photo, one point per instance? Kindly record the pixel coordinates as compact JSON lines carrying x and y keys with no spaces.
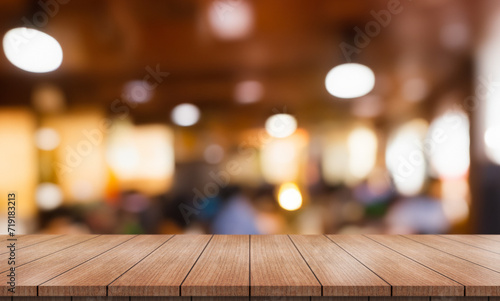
{"x":256,"y":265}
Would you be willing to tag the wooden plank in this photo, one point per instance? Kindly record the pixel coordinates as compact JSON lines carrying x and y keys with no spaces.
{"x":479,"y":256}
{"x":339,"y":298}
{"x":492,"y":237}
{"x":292,"y":298}
{"x":459,"y":299}
{"x":30,"y":275}
{"x":406,"y":298}
{"x":478,"y":280}
{"x":162,"y":272}
{"x":41,"y":298}
{"x":158,"y":298}
{"x":100,"y":298}
{"x":222,"y":270}
{"x":224,"y":298}
{"x":339,"y":273}
{"x":24,"y":241}
{"x":278,"y":269}
{"x":476,"y":241}
{"x":93,"y":277}
{"x":406,"y":277}
{"x":42,"y":249}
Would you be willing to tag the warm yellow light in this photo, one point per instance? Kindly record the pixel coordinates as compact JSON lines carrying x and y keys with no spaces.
{"x":405,"y":158}
{"x":348,"y":155}
{"x":18,"y":162}
{"x":447,"y":145}
{"x":79,"y":156}
{"x":289,"y":197}
{"x":281,"y":125}
{"x":333,"y":166}
{"x":282,"y":159}
{"x":47,"y":139}
{"x":142,"y":157}
{"x":48,"y":196}
{"x":362,"y":144}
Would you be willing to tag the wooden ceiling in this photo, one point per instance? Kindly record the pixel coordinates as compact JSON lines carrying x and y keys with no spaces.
{"x":292,"y":46}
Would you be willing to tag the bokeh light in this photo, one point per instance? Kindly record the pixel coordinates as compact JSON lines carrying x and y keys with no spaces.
{"x":137,"y":91}
{"x":230,"y":19}
{"x":32,"y":50}
{"x":362,"y":145}
{"x":213,"y":154}
{"x":185,"y":114}
{"x":248,"y":91}
{"x":289,"y":197}
{"x":47,"y":139}
{"x":350,"y":80}
{"x":281,"y":125}
{"x":405,"y":158}
{"x":48,"y":196}
{"x":448,"y":144}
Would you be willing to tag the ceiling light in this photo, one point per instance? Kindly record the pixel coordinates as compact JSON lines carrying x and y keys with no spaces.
{"x":281,"y":125}
{"x":185,"y":114}
{"x":350,"y":80}
{"x":249,"y":91}
{"x":138,"y":91}
{"x":32,"y":50}
{"x":230,"y":19}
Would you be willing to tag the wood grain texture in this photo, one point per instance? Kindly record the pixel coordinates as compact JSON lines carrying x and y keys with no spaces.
{"x":41,"y":298}
{"x":93,"y":277}
{"x":162,"y":272}
{"x":403,"y":298}
{"x":289,"y":298}
{"x":24,"y":241}
{"x":479,"y":256}
{"x":222,"y":270}
{"x":159,"y":298}
{"x":266,"y":268}
{"x":339,"y":299}
{"x":406,"y":277}
{"x":476,"y":241}
{"x":339,"y":273}
{"x":42,"y":249}
{"x":32,"y":274}
{"x":278,"y":269}
{"x":223,"y":298}
{"x":459,"y":298}
{"x":98,"y":298}
{"x":490,"y":236}
{"x":478,"y":280}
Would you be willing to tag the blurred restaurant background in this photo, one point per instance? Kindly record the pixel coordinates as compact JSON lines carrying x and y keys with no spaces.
{"x":251,"y":116}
